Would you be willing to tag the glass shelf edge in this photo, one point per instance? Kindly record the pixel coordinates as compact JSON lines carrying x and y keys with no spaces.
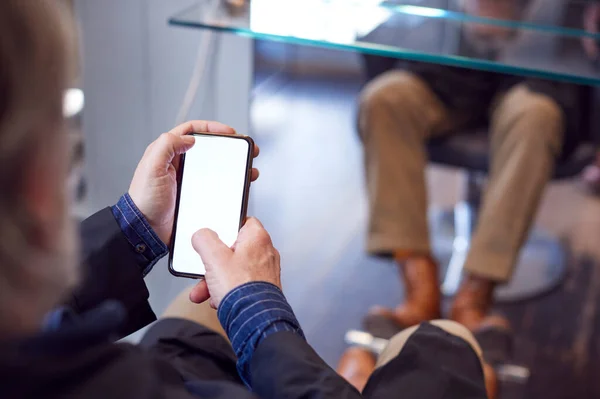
{"x":461,"y":17}
{"x":396,"y":52}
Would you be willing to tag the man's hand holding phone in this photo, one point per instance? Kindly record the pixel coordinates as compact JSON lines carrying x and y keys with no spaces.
{"x":251,"y":259}
{"x":154,"y":191}
{"x":154,"y":185}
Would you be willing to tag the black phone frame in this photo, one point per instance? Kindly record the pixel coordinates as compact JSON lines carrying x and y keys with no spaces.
{"x":245,"y":196}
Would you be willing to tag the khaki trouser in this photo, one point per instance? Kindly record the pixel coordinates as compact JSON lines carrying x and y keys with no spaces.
{"x":399,"y":112}
{"x":182,"y":308}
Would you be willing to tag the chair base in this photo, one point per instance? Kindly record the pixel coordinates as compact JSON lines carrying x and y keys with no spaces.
{"x":541,"y":266}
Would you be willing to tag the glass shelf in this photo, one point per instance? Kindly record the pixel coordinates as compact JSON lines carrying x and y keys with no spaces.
{"x":542,"y":39}
{"x":528,"y":16}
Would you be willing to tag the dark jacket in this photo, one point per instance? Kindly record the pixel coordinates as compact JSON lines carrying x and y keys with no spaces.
{"x":80,"y":360}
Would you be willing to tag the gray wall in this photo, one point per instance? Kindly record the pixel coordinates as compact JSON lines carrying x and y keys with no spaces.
{"x":136,"y":69}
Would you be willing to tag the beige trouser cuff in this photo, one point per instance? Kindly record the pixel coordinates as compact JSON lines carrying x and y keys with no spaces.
{"x":491,"y":266}
{"x":388,"y":244}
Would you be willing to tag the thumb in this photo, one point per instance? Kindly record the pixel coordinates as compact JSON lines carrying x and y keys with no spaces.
{"x":168,"y":146}
{"x":184,"y":144}
{"x":210,"y":248}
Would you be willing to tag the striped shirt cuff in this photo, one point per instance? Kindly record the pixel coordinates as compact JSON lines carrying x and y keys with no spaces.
{"x":144,"y":241}
{"x":249,"y":314}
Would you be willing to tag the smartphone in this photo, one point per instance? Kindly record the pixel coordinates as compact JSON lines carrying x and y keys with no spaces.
{"x":213,"y":187}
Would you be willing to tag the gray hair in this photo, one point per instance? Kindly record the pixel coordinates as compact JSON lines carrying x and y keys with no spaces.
{"x":34,"y":71}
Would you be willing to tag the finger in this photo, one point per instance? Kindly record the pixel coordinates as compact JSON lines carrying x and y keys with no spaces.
{"x":197,"y":126}
{"x":168,"y":146}
{"x":210,"y":248}
{"x":253,"y":223}
{"x":253,"y":231}
{"x":200,"y":292}
{"x":254,"y":175}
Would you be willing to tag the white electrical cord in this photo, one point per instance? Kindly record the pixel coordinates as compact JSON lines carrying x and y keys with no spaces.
{"x":204,"y":57}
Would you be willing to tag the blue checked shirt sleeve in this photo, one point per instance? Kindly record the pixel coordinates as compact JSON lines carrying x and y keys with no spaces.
{"x":249,"y":314}
{"x":144,"y":241}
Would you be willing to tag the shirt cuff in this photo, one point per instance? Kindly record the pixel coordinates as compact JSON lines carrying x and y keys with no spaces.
{"x":144,"y":241}
{"x":249,"y":314}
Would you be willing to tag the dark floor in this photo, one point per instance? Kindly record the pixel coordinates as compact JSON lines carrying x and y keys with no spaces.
{"x":558,"y":336}
{"x":310,"y":197}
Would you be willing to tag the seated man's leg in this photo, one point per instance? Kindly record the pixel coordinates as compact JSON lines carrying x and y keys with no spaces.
{"x":191,"y":338}
{"x":435,"y":361}
{"x":203,"y":314}
{"x":398,"y":113}
{"x":527,"y":131}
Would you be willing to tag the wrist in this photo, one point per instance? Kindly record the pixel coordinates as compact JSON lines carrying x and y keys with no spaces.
{"x":249,"y":314}
{"x":243,"y":283}
{"x":225,"y":306}
{"x":143,"y":239}
{"x":161,"y":229}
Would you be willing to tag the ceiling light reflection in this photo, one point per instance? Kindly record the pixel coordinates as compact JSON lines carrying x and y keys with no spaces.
{"x":337,"y":21}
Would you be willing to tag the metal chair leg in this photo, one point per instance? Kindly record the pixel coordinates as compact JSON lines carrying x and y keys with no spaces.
{"x":463,"y":222}
{"x":541,"y":265}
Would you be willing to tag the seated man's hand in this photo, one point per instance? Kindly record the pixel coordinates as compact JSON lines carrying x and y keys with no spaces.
{"x":251,"y":259}
{"x":154,"y":185}
{"x":486,"y":37}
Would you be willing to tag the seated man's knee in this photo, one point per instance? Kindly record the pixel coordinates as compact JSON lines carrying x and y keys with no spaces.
{"x":542,"y":107}
{"x":391,"y":88}
{"x":537,"y":119}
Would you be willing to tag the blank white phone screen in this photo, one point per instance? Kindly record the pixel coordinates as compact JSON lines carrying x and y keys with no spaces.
{"x":212,"y":191}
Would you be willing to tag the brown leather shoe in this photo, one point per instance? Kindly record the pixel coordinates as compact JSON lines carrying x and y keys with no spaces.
{"x":473,"y":302}
{"x":356,"y":366}
{"x":422,"y":297}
